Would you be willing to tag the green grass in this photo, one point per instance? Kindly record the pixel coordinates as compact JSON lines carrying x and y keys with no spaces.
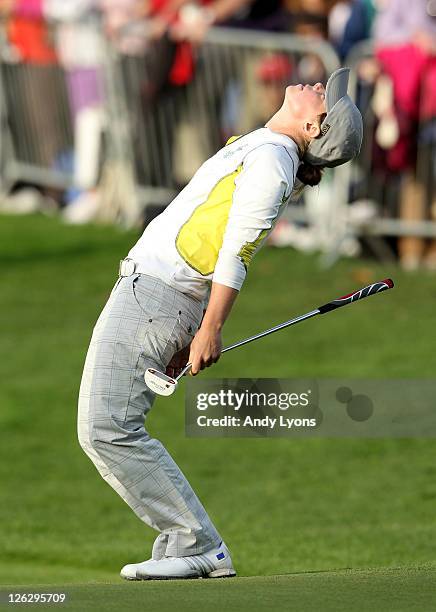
{"x":394,"y":590}
{"x":283,"y":506}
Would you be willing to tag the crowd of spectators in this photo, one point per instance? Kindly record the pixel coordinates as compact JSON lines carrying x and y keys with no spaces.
{"x":66,"y":117}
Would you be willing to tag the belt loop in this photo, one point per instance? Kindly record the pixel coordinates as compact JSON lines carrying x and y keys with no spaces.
{"x":127,"y":267}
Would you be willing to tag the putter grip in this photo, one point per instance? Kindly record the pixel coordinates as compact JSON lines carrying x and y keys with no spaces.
{"x":387,"y":283}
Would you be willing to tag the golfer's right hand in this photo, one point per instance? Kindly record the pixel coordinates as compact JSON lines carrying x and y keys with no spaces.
{"x":205,"y":349}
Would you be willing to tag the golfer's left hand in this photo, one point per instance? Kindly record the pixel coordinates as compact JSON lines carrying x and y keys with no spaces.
{"x":205,"y":349}
{"x":178,"y":362}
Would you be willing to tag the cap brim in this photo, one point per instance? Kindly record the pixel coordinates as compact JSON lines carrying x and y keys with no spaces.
{"x":337,"y":87}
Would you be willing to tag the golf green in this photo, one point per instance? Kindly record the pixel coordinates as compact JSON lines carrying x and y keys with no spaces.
{"x":389,"y":590}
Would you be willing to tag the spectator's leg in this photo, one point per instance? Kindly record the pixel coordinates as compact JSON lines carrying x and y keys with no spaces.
{"x":411,"y":248}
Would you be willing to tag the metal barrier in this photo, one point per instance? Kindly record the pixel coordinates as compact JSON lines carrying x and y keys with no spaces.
{"x":175,"y":128}
{"x":157,"y":134}
{"x":52,"y":136}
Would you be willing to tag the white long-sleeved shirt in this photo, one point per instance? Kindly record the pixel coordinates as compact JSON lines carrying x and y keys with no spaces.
{"x":212,"y":229}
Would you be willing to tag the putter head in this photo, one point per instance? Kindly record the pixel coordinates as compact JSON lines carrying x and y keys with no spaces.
{"x":159,"y":383}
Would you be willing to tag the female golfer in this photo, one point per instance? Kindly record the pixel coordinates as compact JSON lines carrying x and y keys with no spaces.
{"x":195,"y":253}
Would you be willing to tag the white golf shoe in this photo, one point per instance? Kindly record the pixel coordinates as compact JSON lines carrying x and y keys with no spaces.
{"x":216,"y":563}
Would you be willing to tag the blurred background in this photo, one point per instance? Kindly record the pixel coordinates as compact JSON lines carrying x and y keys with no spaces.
{"x":107,"y":108}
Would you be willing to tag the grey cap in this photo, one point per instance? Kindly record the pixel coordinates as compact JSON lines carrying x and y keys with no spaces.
{"x":342,"y":129}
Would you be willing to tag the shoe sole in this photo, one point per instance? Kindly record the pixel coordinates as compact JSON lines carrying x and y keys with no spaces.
{"x":223,"y":573}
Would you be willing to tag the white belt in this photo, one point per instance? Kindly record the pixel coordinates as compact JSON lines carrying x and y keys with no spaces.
{"x":129,"y":267}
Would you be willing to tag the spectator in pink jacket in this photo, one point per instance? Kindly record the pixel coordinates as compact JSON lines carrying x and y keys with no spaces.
{"x":405,"y":40}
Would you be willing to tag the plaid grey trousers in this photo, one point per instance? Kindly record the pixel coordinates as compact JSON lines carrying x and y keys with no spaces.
{"x":142,"y":325}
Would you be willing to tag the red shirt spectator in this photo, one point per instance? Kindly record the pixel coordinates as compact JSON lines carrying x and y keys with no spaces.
{"x":28,"y":33}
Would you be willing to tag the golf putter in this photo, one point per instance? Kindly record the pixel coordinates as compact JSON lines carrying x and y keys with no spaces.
{"x":161,"y":384}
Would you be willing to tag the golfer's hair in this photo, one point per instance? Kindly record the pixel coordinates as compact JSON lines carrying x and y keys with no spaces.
{"x":308,"y":174}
